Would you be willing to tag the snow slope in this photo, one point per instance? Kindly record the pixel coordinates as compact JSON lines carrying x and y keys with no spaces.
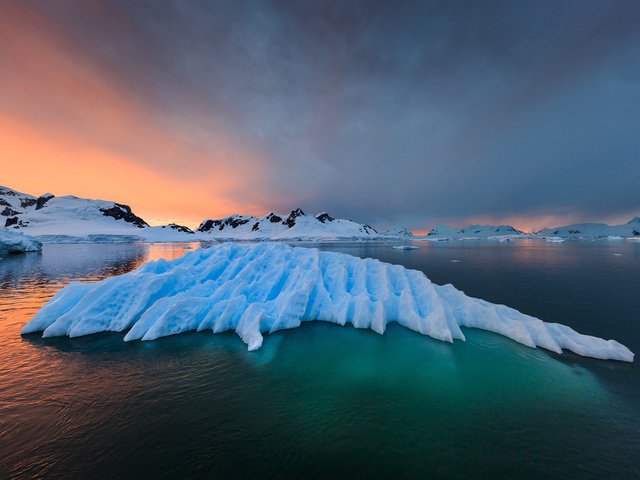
{"x":296,"y":225}
{"x":497,"y":232}
{"x":595,"y":230}
{"x":68,"y":215}
{"x":258,"y":288}
{"x":16,"y":242}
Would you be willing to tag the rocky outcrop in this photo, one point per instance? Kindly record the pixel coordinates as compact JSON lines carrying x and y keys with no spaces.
{"x":234,"y":221}
{"x":179,"y":228}
{"x":324,"y":217}
{"x":273,"y":218}
{"x":42,"y":200}
{"x":123,"y":212}
{"x":291,"y":219}
{"x":9,"y":212}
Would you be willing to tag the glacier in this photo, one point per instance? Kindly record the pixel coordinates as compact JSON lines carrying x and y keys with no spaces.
{"x":254,"y":289}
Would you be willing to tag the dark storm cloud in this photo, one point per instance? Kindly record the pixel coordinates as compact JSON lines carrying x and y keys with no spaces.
{"x":393,"y":111}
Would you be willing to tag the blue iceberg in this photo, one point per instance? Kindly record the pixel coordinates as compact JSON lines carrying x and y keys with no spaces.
{"x":254,"y":289}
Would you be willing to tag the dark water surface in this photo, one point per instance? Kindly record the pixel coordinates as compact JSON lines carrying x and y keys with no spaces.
{"x":324,"y":401}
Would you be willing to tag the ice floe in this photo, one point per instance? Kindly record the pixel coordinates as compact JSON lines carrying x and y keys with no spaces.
{"x":254,"y":289}
{"x":16,"y":242}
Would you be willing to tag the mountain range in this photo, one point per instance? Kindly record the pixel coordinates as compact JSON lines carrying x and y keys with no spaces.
{"x":73,"y":219}
{"x":70,"y":218}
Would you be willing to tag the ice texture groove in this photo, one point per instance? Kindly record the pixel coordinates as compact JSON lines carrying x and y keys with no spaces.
{"x":254,"y":289}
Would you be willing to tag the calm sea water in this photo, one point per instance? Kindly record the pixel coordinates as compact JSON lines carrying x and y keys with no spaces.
{"x":324,"y":401}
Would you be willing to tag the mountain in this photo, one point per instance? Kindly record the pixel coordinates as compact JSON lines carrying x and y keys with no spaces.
{"x":69,"y":215}
{"x":507,"y":232}
{"x":71,"y":219}
{"x":398,"y":232}
{"x":473,"y":232}
{"x":295,"y":225}
{"x":595,"y":230}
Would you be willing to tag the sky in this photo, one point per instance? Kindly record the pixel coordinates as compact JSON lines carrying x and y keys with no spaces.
{"x":388,"y":113}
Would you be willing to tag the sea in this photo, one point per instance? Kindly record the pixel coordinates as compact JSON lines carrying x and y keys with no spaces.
{"x":324,"y":401}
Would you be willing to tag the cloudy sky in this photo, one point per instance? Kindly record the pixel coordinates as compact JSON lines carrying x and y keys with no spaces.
{"x":411,"y":113}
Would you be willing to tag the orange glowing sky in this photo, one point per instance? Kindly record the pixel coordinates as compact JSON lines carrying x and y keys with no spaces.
{"x":188,"y":111}
{"x":68,"y":127}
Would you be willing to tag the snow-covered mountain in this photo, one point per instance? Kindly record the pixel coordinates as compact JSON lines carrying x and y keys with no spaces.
{"x":474,"y":232}
{"x":71,"y":219}
{"x":595,"y":230}
{"x":68,"y":215}
{"x":507,"y":232}
{"x":398,"y":232}
{"x":295,"y":225}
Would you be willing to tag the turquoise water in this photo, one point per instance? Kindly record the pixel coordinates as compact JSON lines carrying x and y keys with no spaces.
{"x":327,"y":401}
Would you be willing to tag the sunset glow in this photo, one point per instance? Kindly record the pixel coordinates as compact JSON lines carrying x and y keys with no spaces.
{"x":319,"y":238}
{"x":68,"y":127}
{"x":185,"y":114}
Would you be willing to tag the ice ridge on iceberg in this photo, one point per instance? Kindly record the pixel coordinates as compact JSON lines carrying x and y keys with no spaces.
{"x":259,"y":288}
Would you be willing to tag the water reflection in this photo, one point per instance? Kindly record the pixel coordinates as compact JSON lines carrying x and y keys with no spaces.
{"x":323,"y":398}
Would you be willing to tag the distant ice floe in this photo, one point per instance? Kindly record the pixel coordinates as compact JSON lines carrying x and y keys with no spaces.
{"x":254,"y":289}
{"x":405,"y":247}
{"x":16,"y":242}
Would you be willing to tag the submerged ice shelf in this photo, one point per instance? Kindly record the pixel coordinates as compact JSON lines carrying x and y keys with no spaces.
{"x":259,"y":288}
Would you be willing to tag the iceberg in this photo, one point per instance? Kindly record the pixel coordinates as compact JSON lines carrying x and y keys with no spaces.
{"x":16,"y":242}
{"x":254,"y":289}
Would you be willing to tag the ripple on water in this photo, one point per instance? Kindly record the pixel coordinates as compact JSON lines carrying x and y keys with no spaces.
{"x":324,"y":399}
